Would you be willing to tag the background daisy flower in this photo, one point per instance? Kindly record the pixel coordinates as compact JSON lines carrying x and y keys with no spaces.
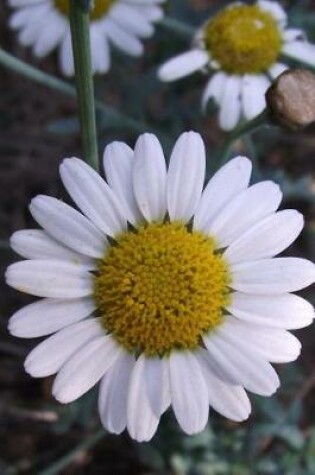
{"x":242,"y":47}
{"x":44,"y":25}
{"x":165,"y":291}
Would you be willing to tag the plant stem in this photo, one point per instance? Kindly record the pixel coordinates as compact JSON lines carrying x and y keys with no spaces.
{"x":14,"y":64}
{"x":239,"y":132}
{"x":298,"y":62}
{"x":80,"y":34}
{"x":110,"y":114}
{"x":30,"y":72}
{"x":177,"y":27}
{"x":67,"y":459}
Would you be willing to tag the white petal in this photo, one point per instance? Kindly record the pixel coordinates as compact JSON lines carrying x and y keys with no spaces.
{"x":273,"y":344}
{"x":85,"y":368}
{"x":141,"y":420}
{"x":31,"y":14}
{"x":230,"y":106}
{"x":275,"y":9}
{"x":277,"y":69}
{"x":48,"y":316}
{"x":214,"y":89}
{"x":149,"y":177}
{"x":267,"y":238}
{"x":157,"y":384}
{"x":48,"y":357}
{"x":186,"y":175}
{"x":183,"y":65}
{"x":68,"y":226}
{"x":150,"y":12}
{"x":292,"y":34}
{"x":253,"y":95}
{"x":28,"y":34}
{"x":118,"y":162}
{"x":36,"y":244}
{"x":230,"y":401}
{"x":51,"y":34}
{"x":237,"y":365}
{"x":122,"y":39}
{"x":301,"y":51}
{"x":48,"y":278}
{"x":227,"y":183}
{"x":93,"y":196}
{"x":271,"y":276}
{"x":130,"y":20}
{"x":282,"y":311}
{"x":100,"y":49}
{"x":245,"y":210}
{"x":66,"y":60}
{"x":22,"y":3}
{"x":112,"y":402}
{"x":189,"y":393}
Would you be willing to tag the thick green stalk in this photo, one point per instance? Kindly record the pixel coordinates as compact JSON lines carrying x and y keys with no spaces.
{"x":108,"y":114}
{"x":80,"y":33}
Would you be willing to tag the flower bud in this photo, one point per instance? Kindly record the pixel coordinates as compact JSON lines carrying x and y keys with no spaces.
{"x":291,"y":99}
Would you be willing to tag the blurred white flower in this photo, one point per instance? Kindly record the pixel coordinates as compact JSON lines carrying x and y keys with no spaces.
{"x":243,"y":48}
{"x":44,"y":26}
{"x":166,"y":291}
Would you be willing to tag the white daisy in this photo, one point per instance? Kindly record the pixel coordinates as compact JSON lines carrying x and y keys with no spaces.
{"x":242,"y":48}
{"x":44,"y":26}
{"x":166,"y":292}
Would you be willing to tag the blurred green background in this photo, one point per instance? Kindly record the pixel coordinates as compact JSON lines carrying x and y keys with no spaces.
{"x":38,"y":127}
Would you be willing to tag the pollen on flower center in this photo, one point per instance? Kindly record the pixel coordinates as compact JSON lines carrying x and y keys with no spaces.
{"x":101,"y":7}
{"x":243,"y":39}
{"x":161,"y":288}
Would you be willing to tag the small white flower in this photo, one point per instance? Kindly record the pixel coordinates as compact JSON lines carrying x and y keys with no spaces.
{"x":166,"y":291}
{"x":44,"y":26}
{"x":242,"y":47}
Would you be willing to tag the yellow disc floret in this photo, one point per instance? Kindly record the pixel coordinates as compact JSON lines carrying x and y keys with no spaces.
{"x":243,"y":39}
{"x":161,"y":288}
{"x":100,"y":8}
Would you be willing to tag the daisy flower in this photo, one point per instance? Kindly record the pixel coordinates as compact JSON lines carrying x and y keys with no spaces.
{"x":44,"y":25}
{"x":242,"y":48}
{"x":167,"y":293}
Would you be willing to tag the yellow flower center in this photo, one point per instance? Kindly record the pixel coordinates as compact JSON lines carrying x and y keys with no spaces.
{"x":101,"y":7}
{"x":161,"y":288}
{"x":243,"y":39}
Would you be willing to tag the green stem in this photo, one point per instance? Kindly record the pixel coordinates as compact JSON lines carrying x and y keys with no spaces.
{"x":179,"y":28}
{"x":298,"y":62}
{"x":14,"y":64}
{"x":80,"y":34}
{"x":65,"y":461}
{"x":239,"y":132}
{"x":110,"y":114}
{"x":251,"y":152}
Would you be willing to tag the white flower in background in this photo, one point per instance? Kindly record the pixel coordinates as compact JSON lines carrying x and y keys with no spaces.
{"x":44,"y":26}
{"x":185,"y":306}
{"x":243,"y":48}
